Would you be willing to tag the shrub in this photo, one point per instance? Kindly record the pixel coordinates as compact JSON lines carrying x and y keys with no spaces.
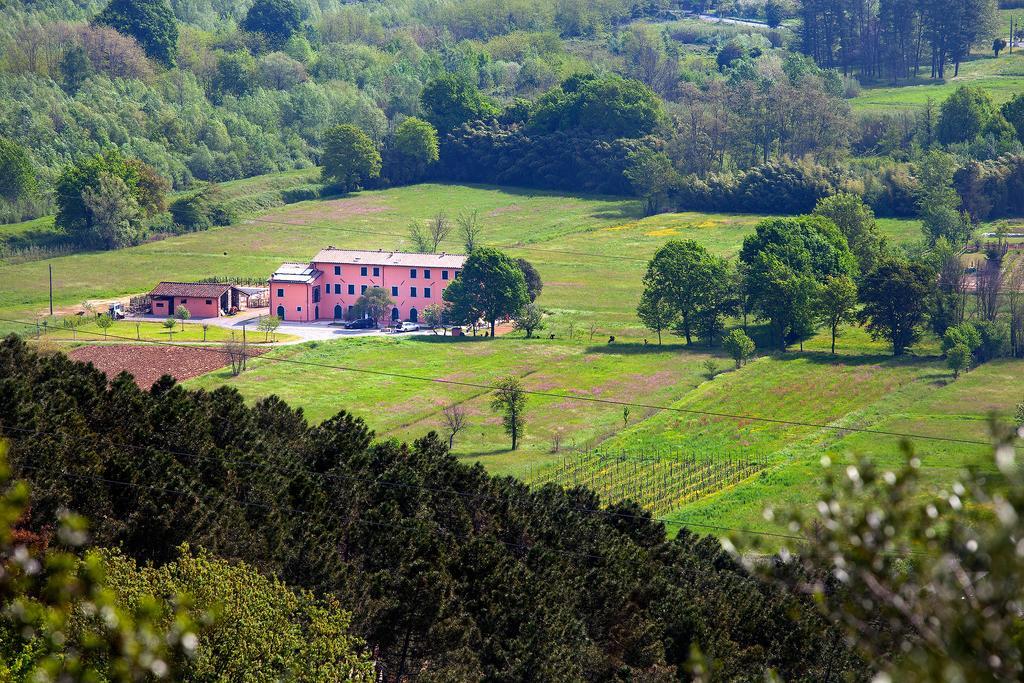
{"x":995,"y":339}
{"x":779,"y":187}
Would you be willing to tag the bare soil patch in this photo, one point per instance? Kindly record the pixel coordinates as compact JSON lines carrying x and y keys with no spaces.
{"x":338,"y":208}
{"x":147,"y":363}
{"x":511,"y":208}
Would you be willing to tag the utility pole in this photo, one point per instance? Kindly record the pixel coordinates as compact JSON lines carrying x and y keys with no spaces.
{"x":50,"y":267}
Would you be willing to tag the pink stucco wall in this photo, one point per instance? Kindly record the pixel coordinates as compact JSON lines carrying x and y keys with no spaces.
{"x":198,"y":307}
{"x":344,"y":286}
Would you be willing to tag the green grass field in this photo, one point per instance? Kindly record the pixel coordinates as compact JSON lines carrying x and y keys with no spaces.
{"x":1002,"y":78}
{"x":591,"y":253}
{"x":123,"y":330}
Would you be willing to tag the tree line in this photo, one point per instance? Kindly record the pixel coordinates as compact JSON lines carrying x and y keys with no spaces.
{"x":497,"y":581}
{"x":895,"y":39}
{"x":832,"y":268}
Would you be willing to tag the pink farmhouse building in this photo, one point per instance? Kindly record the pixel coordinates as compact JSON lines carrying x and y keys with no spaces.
{"x":328,"y":287}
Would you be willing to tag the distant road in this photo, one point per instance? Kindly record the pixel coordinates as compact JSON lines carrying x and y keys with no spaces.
{"x":727,"y":20}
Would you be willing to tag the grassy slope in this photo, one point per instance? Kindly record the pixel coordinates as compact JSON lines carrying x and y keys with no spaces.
{"x":406,"y":408}
{"x":255,"y":249}
{"x":928,"y":404}
{"x":1002,"y":78}
{"x":591,"y":253}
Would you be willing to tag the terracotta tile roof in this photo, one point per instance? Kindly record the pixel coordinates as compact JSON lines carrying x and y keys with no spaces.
{"x":389,"y":258}
{"x":198,"y":290}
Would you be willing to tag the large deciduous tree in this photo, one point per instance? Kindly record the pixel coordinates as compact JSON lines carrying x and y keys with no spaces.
{"x":411,"y":152}
{"x":491,"y":286}
{"x":895,"y":297}
{"x":966,"y":114}
{"x":451,"y":100}
{"x":856,"y":221}
{"x":350,"y":157}
{"x":939,"y":205}
{"x":606,"y":106}
{"x":103,"y":200}
{"x":534,"y":285}
{"x":151,"y":22}
{"x":695,"y":283}
{"x":276,"y":19}
{"x":17,"y":178}
{"x":785,"y":262}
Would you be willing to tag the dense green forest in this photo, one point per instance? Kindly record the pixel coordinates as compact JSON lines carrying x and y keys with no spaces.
{"x":609,"y":97}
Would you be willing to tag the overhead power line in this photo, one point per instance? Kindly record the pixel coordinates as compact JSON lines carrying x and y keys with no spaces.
{"x":678,"y":521}
{"x":548,"y":394}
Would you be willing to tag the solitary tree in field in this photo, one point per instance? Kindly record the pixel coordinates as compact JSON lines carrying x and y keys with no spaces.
{"x":268,"y":324}
{"x":169,"y":326}
{"x":182,"y":314}
{"x":469,"y":229}
{"x":454,"y":421}
{"x":491,"y":286}
{"x":837,"y":300}
{"x":350,"y":157}
{"x":958,"y":359}
{"x":104,"y":322}
{"x":738,"y":345}
{"x":510,"y":400}
{"x":529,"y":319}
{"x":655,"y":311}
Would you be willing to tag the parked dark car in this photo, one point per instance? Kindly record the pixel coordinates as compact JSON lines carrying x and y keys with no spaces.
{"x":361,"y":324}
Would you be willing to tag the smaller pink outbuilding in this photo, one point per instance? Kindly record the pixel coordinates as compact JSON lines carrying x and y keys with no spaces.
{"x":327,"y":288}
{"x":201,"y":299}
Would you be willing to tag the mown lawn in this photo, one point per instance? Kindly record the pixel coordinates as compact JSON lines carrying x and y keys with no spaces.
{"x":126,"y":331}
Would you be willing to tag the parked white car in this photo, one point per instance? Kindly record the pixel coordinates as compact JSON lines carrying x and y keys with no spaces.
{"x":408,"y":327}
